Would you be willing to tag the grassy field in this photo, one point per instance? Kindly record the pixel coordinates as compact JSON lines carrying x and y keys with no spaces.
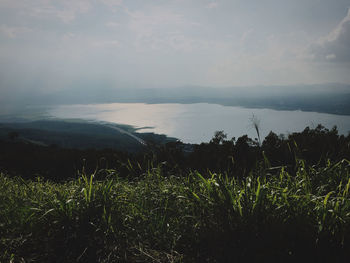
{"x":268,"y":216}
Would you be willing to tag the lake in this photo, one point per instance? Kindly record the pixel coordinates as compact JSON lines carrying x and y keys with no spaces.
{"x":195,"y":123}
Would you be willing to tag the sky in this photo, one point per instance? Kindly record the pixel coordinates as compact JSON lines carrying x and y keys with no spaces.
{"x":48,"y":45}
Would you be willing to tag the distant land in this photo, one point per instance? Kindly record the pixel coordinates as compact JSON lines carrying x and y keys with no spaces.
{"x":324,"y":98}
{"x":80,"y":135}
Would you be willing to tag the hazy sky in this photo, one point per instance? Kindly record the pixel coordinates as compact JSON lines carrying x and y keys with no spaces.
{"x":47,"y":44}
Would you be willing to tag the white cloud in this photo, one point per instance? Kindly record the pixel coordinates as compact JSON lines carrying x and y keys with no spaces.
{"x":71,"y":9}
{"x":112,"y":3}
{"x":64,"y":10}
{"x":330,"y":56}
{"x":212,"y":5}
{"x":13,"y":32}
{"x":106,"y":44}
{"x":21,"y":3}
{"x":206,"y":42}
{"x":113,"y":24}
{"x":156,"y":18}
{"x":160,"y":28}
{"x":335,"y":47}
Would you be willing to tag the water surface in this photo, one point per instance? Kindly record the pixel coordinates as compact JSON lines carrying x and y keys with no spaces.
{"x":197,"y":122}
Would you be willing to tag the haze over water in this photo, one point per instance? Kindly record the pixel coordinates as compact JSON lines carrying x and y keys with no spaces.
{"x":196,"y":123}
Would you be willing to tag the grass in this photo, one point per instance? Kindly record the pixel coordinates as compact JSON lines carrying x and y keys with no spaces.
{"x":270,"y":215}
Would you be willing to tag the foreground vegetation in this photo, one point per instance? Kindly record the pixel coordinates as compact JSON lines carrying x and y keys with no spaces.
{"x":283,"y":199}
{"x":269,"y":215}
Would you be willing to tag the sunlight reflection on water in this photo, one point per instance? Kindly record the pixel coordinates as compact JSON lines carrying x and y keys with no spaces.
{"x":197,"y":122}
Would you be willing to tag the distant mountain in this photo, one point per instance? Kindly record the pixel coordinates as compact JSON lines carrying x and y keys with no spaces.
{"x":326,"y":98}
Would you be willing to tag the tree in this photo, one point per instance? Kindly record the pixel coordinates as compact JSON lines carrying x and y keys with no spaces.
{"x":13,"y":135}
{"x":219,"y":137}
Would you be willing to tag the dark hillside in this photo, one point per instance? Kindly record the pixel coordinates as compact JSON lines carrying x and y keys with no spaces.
{"x":235,"y":157}
{"x":80,"y":135}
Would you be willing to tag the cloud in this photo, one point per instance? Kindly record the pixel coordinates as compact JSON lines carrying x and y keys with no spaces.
{"x":148,"y":23}
{"x":112,"y":3}
{"x":113,"y":24}
{"x":13,"y":32}
{"x":335,"y":47}
{"x":212,"y":5}
{"x":160,"y":28}
{"x":208,"y":42}
{"x":67,"y":11}
{"x":64,"y":10}
{"x":106,"y":44}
